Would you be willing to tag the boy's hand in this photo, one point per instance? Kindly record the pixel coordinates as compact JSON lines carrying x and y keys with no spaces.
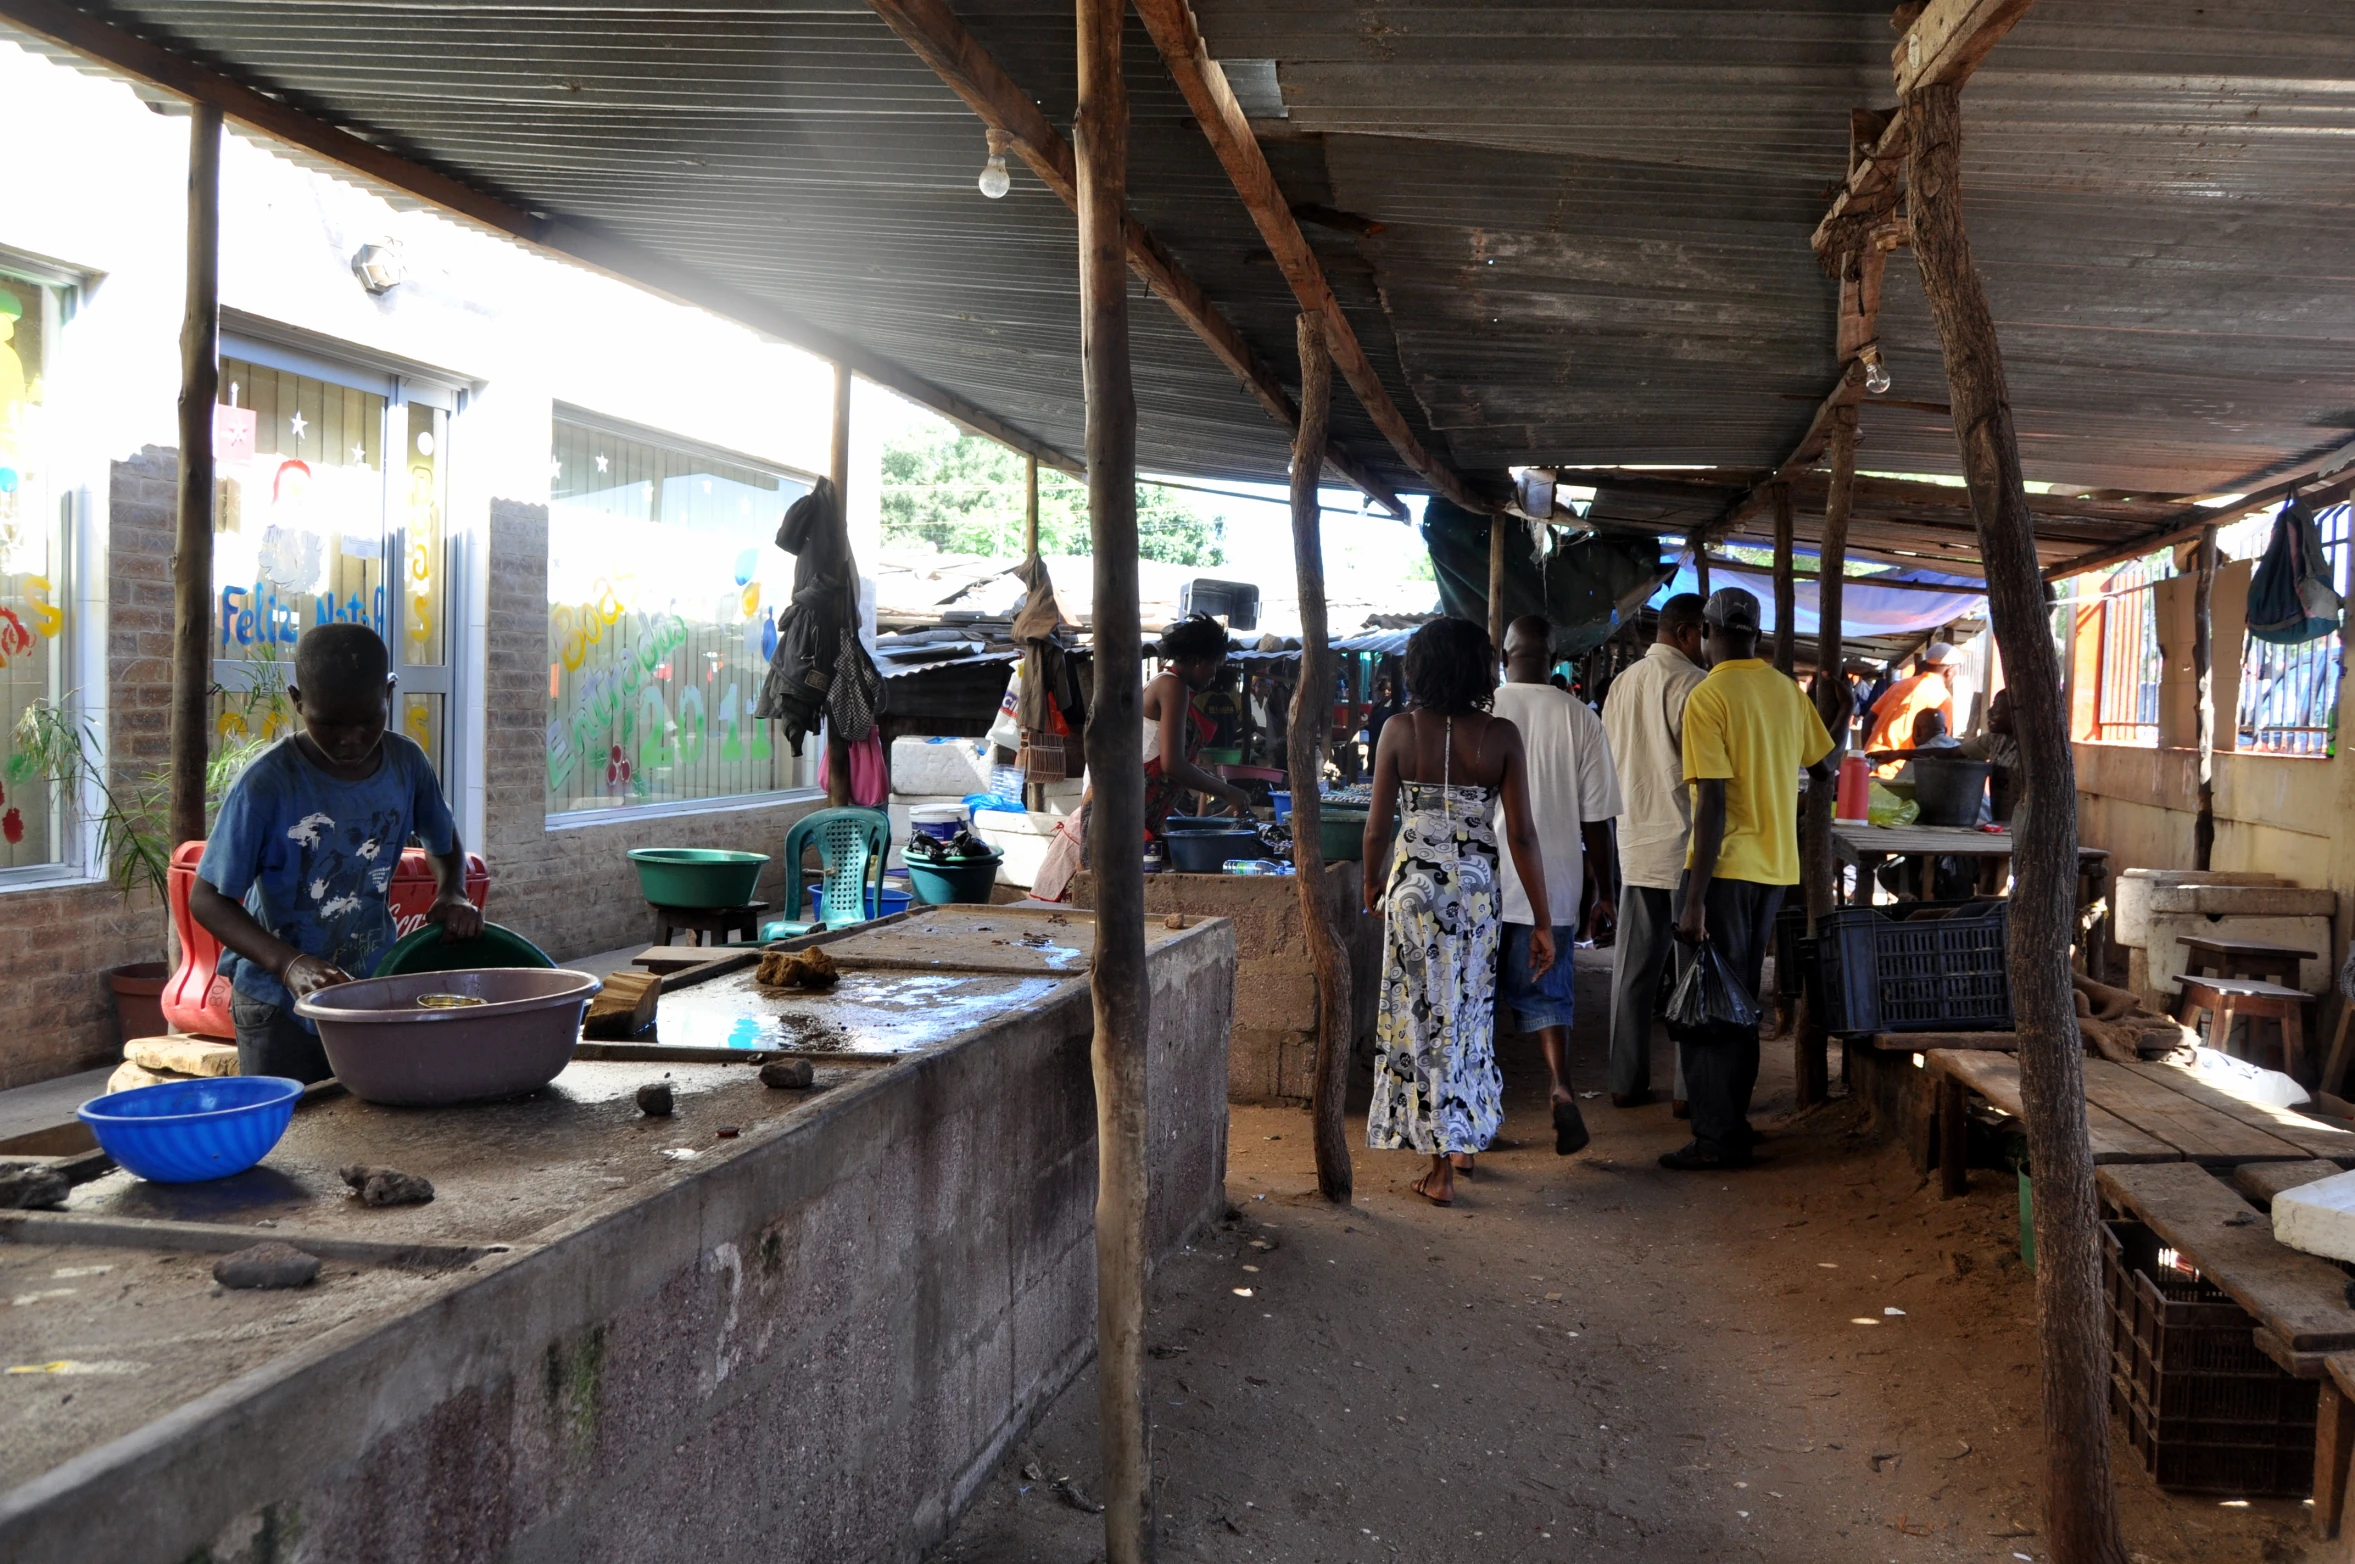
{"x":1541,"y":951}
{"x":309,"y":974}
{"x":459,"y":918}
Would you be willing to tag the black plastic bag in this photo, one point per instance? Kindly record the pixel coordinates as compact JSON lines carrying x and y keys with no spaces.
{"x":1709,"y":995}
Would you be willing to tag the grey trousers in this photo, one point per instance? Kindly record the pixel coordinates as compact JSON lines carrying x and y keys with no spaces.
{"x":1721,"y":1064}
{"x":274,"y":1041}
{"x":1646,"y":939}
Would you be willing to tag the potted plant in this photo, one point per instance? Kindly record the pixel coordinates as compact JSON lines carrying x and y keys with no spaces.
{"x":59,"y":746}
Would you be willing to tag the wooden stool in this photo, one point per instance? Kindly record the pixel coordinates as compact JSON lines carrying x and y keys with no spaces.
{"x":2249,"y":999}
{"x":717,"y":922}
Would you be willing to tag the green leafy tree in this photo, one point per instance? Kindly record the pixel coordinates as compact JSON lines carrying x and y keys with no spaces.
{"x":962,"y":494}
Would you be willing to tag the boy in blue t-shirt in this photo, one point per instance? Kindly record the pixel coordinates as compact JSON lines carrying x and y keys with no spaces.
{"x":295,"y":880}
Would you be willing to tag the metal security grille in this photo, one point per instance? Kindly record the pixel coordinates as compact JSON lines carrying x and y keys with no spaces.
{"x":2126,"y":705}
{"x":2289,"y":701}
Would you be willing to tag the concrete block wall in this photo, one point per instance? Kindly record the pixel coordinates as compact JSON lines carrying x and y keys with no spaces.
{"x":1272,"y":1058}
{"x":815,"y":1348}
{"x":572,"y":889}
{"x":57,"y":943}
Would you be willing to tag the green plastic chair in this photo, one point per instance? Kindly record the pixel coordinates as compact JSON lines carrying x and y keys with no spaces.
{"x":853,"y":845}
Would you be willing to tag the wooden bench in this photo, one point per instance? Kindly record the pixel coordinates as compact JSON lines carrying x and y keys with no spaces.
{"x":2214,"y":955}
{"x":716,"y":923}
{"x":2299,"y":1301}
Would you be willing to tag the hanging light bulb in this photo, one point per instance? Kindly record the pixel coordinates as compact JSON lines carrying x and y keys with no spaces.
{"x":1876,"y":376}
{"x":995,"y":181}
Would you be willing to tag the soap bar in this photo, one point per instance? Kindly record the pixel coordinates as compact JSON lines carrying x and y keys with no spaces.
{"x":2318,"y":1218}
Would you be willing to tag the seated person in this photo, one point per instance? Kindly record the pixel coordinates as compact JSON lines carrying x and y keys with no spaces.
{"x":295,"y":880}
{"x":1998,"y":746}
{"x":1929,"y":732}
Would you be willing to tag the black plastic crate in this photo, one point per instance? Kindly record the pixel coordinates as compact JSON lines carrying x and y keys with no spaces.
{"x":2206,"y":1410}
{"x":1792,"y":952}
{"x":1913,"y":967}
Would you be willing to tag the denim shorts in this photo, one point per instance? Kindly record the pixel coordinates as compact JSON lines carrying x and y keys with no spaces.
{"x":1540,"y":1002}
{"x":274,"y":1041}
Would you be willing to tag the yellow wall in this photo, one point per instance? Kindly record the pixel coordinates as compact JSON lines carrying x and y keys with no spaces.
{"x":2275,"y":814}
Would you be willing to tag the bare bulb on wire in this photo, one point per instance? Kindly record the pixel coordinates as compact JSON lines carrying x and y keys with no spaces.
{"x":995,"y":181}
{"x":1876,"y":378}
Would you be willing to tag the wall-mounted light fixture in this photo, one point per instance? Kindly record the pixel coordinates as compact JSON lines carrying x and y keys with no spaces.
{"x":380,"y":266}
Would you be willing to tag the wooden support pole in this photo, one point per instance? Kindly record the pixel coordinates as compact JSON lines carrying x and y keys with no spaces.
{"x":2080,"y":1500}
{"x":1119,"y":989}
{"x":1701,"y":565}
{"x":1312,"y":720}
{"x":192,"y":543}
{"x":1817,"y":864}
{"x":838,"y":468}
{"x":2203,"y":669}
{"x":1496,"y":585}
{"x":1029,"y":508}
{"x":1786,"y":595}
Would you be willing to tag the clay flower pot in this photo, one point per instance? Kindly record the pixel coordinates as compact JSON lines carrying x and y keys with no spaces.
{"x":139,"y":998}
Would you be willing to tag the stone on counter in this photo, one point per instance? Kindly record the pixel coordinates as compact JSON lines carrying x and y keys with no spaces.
{"x":655,"y":1101}
{"x":130,"y":1077}
{"x":32,"y":1188}
{"x":387,"y":1186}
{"x":203,"y":1056}
{"x":267,"y":1265}
{"x":788,"y":1074}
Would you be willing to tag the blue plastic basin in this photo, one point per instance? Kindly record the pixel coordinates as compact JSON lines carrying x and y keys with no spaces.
{"x":895,"y":899}
{"x":182,"y":1132}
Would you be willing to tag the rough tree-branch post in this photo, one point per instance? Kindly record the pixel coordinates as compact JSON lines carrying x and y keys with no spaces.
{"x":2080,"y":1503}
{"x":838,"y":463}
{"x":1811,"y":1045}
{"x":1312,"y":717}
{"x":192,"y":542}
{"x":1116,"y":764}
{"x":1786,"y":593}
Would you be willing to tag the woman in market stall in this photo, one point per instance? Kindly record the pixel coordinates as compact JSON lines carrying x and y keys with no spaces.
{"x":1193,"y":652}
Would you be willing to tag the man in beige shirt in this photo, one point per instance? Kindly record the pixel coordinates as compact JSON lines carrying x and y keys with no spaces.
{"x":1644,"y":718}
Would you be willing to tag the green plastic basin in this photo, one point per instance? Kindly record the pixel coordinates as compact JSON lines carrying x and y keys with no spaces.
{"x":936,"y":884}
{"x":1341,"y":833}
{"x":697,"y":876}
{"x":425,"y":950}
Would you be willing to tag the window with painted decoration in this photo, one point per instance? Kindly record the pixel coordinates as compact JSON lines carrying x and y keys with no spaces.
{"x":332,"y":484}
{"x":664,"y":586}
{"x":34,"y":510}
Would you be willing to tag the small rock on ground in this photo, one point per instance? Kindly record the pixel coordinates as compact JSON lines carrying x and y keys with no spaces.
{"x":387,"y":1186}
{"x":32,"y":1188}
{"x":267,"y":1266}
{"x":655,"y":1101}
{"x":788,"y":1074}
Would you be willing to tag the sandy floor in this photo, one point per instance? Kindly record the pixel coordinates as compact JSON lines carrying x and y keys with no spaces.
{"x":1815,"y":1360}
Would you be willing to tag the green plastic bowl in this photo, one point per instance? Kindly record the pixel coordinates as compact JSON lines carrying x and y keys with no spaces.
{"x":937,"y":884}
{"x":424,"y":950}
{"x":1341,"y":833}
{"x":697,"y":876}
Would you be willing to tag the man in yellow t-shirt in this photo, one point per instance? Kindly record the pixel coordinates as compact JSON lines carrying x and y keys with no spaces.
{"x":1748,"y":733}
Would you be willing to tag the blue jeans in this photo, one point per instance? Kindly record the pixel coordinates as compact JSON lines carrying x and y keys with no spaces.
{"x":274,"y":1041}
{"x":1535,"y":1003}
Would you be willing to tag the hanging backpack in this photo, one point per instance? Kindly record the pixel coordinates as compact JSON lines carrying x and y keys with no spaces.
{"x":2291,"y":597}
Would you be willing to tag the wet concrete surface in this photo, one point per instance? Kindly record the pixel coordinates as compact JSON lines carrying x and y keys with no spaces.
{"x":878,"y":1015}
{"x":501,"y":1171}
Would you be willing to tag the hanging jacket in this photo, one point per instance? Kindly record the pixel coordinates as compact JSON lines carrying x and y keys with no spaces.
{"x":820,"y":669}
{"x":2291,"y":597}
{"x":1050,"y":700}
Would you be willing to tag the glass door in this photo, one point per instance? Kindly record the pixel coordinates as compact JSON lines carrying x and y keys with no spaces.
{"x":419,"y":556}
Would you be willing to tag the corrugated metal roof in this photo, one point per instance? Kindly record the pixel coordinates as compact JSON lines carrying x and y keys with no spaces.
{"x":1594,"y":217}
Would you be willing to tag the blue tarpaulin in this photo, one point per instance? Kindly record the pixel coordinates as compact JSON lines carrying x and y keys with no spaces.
{"x":1865,"y":610}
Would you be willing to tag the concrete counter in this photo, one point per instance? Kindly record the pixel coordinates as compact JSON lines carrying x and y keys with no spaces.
{"x":608,"y":1337}
{"x":1273,"y":1056}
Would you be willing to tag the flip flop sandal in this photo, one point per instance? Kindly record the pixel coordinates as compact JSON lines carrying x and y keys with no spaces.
{"x":1570,"y":1133}
{"x":1421,"y":1188}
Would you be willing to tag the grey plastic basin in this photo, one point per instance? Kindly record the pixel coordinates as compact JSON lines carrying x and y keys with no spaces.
{"x":384,"y":1048}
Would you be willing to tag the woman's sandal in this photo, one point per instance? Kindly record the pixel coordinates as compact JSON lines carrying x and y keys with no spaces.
{"x":1422,"y":1187}
{"x":1570,"y":1132}
{"x":1464,"y":1168}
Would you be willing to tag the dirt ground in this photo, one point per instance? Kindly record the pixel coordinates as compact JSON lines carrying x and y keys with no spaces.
{"x":1594,"y":1358}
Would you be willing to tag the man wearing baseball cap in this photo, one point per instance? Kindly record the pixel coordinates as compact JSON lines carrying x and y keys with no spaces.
{"x":1748,"y":733}
{"x":1928,"y":690}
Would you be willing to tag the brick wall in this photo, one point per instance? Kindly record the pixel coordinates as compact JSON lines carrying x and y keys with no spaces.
{"x":572,"y":891}
{"x":57,"y":945}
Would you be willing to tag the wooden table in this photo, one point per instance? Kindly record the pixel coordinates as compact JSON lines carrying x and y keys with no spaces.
{"x":2133,"y":1113}
{"x":2299,"y":1301}
{"x":1866,"y":847}
{"x":717,"y":922}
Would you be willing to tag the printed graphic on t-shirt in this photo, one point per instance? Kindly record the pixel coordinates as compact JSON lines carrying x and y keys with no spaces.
{"x":344,"y":871}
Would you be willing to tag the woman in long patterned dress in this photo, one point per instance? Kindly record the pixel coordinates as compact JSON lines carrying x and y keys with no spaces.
{"x":1440,"y":766}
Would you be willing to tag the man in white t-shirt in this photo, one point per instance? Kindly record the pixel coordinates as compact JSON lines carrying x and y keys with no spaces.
{"x":1644,"y":715}
{"x":1573,"y":793}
